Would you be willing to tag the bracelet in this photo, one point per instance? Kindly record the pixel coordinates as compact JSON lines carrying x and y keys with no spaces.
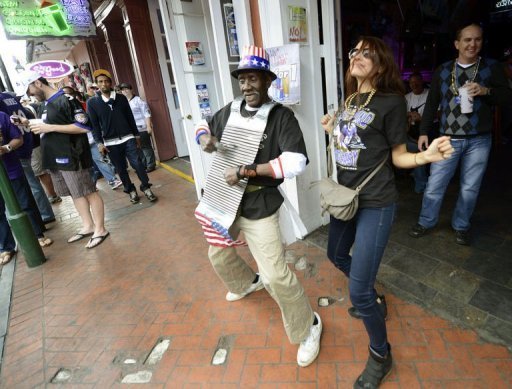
{"x":415,"y":161}
{"x":250,"y":170}
{"x":199,"y":134}
{"x":239,"y":175}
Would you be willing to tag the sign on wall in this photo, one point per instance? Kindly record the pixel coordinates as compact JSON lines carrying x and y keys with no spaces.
{"x":285,"y":63}
{"x":51,"y":69}
{"x":297,"y":25}
{"x":195,"y":53}
{"x":501,"y":5}
{"x":50,"y":19}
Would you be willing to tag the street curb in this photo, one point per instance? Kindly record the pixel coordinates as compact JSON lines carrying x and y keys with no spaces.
{"x":6,"y":282}
{"x":177,"y":172}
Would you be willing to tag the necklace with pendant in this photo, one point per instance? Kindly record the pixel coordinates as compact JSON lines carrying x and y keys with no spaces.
{"x":352,"y":109}
{"x":454,"y":85}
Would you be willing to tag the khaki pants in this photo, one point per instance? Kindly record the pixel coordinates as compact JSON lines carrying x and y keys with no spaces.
{"x":264,"y":240}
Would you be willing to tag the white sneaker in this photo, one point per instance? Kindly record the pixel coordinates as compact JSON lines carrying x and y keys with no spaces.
{"x":310,"y":347}
{"x":115,"y":183}
{"x":230,"y":296}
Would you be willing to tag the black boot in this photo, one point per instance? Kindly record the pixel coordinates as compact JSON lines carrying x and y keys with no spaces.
{"x":377,"y":368}
{"x":381,"y":302}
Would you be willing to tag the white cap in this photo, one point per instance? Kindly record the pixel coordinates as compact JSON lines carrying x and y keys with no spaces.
{"x":24,"y":80}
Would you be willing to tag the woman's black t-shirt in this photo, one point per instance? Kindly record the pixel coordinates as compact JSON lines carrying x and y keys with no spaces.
{"x":363,"y":140}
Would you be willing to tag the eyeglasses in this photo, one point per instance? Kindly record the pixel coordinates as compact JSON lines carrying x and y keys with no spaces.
{"x":355,"y":51}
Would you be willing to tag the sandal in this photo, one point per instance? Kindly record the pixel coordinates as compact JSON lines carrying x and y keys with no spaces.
{"x":6,"y":257}
{"x":44,"y":241}
{"x":79,"y":236}
{"x":96,"y":240}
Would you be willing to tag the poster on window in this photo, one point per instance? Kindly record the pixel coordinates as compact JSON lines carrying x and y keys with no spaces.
{"x":202,"y":93}
{"x":206,"y":110}
{"x":195,"y":53}
{"x":203,"y":98}
{"x":285,"y":63}
{"x":231,"y":37}
{"x":297,"y":25}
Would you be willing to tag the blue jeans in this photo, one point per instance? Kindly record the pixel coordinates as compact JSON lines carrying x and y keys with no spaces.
{"x":44,"y":206}
{"x":7,"y":242}
{"x":473,"y":154}
{"x":419,"y":173}
{"x":368,"y":232}
{"x":106,"y":169}
{"x":22,"y":192}
{"x":118,"y":155}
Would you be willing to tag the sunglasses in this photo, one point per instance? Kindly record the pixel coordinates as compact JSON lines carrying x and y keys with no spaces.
{"x":365,"y":52}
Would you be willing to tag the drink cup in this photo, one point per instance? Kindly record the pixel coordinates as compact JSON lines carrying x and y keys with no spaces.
{"x":466,"y":102}
{"x":36,"y":121}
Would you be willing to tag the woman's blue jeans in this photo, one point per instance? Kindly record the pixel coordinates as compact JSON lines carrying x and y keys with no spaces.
{"x":367,"y":234}
{"x":473,"y":154}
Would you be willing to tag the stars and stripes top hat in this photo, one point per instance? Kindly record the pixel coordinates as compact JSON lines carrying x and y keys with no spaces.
{"x":254,"y":58}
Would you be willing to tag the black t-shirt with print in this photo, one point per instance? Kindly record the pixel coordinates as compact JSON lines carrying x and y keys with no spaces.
{"x":282,"y":133}
{"x":64,"y":151}
{"x":363,"y":142}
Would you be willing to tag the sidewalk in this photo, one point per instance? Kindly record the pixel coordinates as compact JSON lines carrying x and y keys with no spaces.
{"x":94,"y":316}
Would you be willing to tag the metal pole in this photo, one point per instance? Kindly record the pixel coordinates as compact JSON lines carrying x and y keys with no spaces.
{"x":20,"y":223}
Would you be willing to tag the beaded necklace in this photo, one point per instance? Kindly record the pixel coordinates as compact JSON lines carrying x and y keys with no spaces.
{"x":454,"y":86}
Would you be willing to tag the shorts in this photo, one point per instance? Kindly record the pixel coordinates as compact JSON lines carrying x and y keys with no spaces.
{"x":36,"y":162}
{"x":73,"y":183}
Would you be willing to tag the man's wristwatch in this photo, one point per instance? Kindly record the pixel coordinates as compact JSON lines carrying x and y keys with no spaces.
{"x":8,"y":148}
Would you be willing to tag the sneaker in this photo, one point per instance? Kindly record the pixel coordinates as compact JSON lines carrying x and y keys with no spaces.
{"x":149,"y":195}
{"x":134,"y":197}
{"x":258,"y":285}
{"x":377,"y":368}
{"x":115,"y":183}
{"x":381,"y":302}
{"x":310,"y":347}
{"x":417,"y":231}
{"x":462,"y":237}
{"x":54,"y":199}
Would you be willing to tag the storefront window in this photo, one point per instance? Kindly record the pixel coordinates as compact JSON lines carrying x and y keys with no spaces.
{"x":228,"y":19}
{"x":167,"y":58}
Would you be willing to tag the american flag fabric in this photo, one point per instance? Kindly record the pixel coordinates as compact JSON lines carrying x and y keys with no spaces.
{"x":215,"y":233}
{"x":254,"y":57}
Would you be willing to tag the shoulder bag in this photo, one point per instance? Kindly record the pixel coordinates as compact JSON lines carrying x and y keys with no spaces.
{"x":341,"y":202}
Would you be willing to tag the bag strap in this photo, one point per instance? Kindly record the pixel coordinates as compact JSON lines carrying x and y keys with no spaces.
{"x":370,"y":176}
{"x":330,"y":167}
{"x":330,"y":164}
